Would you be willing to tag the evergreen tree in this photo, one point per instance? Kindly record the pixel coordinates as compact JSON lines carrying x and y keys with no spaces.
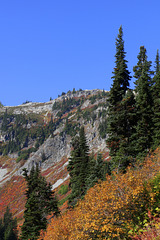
{"x":83,"y":169}
{"x":40,"y":203}
{"x":126,"y":120}
{"x":119,"y":119}
{"x":121,"y":75}
{"x":8,"y":226}
{"x":156,"y":101}
{"x":144,"y":104}
{"x":78,"y":167}
{"x":97,"y":170}
{"x":157,"y":63}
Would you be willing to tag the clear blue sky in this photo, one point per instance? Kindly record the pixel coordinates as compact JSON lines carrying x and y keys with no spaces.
{"x":51,"y":46}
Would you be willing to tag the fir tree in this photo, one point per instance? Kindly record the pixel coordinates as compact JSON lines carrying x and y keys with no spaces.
{"x":97,"y":170}
{"x":156,"y":100}
{"x":126,"y":120}
{"x":8,"y":226}
{"x":121,"y":75}
{"x":119,"y":119}
{"x":157,"y":63}
{"x":40,"y":203}
{"x":83,"y":169}
{"x":144,"y":104}
{"x":78,"y":167}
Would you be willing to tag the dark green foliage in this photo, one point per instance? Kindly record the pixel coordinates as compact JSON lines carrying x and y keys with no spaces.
{"x":40,"y":203}
{"x":5,"y":122}
{"x":62,"y":201}
{"x":144,"y":104}
{"x":102,"y":113}
{"x":78,"y":167}
{"x":97,"y":170}
{"x":18,"y":136}
{"x":156,"y":101}
{"x":133,"y":119}
{"x":70,"y":128}
{"x":121,"y":76}
{"x":155,"y":189}
{"x":56,"y":106}
{"x":73,"y":91}
{"x":24,"y":154}
{"x":66,"y":105}
{"x":43,"y":157}
{"x":88,"y":113}
{"x":100,"y":171}
{"x":26,"y":102}
{"x":8,"y":226}
{"x":126,"y":122}
{"x":121,"y":100}
{"x":103,"y":128}
{"x":84,"y":170}
{"x":93,"y":99}
{"x":142,"y":63}
{"x":49,"y":129}
{"x":63,"y":189}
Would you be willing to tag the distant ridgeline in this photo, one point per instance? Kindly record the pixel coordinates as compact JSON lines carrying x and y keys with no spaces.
{"x":25,"y":127}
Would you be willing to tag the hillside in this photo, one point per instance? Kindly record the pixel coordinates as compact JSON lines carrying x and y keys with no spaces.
{"x":124,"y":206}
{"x":41,"y":133}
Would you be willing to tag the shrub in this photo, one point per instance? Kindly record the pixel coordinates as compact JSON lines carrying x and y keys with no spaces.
{"x":63,"y":189}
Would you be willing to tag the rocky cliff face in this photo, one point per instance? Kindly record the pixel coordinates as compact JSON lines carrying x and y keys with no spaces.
{"x":43,"y":133}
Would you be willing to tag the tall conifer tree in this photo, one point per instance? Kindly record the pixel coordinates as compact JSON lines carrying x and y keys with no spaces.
{"x":97,"y":170}
{"x":126,"y":122}
{"x":156,"y":100}
{"x":40,"y":203}
{"x":144,"y":103}
{"x":8,"y":226}
{"x":78,"y":167}
{"x":118,"y":124}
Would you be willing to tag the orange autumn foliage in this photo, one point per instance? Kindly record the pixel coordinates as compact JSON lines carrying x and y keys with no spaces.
{"x":13,"y":195}
{"x":108,"y":208}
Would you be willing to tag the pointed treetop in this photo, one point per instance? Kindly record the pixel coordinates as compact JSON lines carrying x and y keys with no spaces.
{"x":121,"y":75}
{"x":143,"y":64}
{"x":157,"y":65}
{"x":120,"y":42}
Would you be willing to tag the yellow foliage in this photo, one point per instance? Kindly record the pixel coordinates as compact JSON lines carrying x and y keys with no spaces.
{"x":107,"y":209}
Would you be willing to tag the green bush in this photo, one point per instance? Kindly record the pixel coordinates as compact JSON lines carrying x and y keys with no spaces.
{"x":24,"y":156}
{"x":60,"y":203}
{"x":63,"y":189}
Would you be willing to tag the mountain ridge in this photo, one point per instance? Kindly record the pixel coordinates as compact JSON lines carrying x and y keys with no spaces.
{"x":60,"y":120}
